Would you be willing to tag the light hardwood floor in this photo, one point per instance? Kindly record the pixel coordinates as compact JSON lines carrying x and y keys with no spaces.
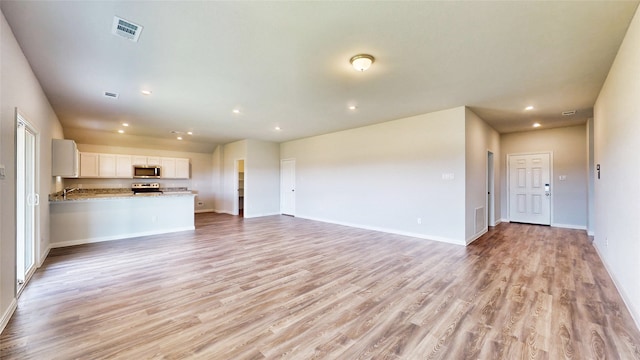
{"x":281,"y":287}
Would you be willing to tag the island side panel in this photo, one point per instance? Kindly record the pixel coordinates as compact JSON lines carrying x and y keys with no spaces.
{"x":94,"y":220}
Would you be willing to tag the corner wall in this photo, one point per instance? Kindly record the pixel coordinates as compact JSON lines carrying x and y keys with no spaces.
{"x":20,"y":89}
{"x":617,"y":192}
{"x":387,"y":176}
{"x":262,"y":179}
{"x":480,"y":139}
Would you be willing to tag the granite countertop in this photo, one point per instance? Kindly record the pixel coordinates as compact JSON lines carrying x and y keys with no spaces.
{"x":103,"y":194}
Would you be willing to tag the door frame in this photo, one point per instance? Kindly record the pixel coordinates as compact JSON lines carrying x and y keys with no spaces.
{"x":282,"y":191}
{"x":236,"y":179}
{"x":491,"y":190}
{"x":22,"y":118}
{"x":551,"y":183}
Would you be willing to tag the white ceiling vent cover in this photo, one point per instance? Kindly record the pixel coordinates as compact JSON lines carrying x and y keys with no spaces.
{"x":126,"y":29}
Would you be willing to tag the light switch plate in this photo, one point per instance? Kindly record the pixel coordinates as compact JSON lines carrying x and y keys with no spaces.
{"x":1,"y":171}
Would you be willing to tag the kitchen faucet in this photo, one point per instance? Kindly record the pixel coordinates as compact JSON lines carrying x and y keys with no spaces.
{"x":66,"y":191}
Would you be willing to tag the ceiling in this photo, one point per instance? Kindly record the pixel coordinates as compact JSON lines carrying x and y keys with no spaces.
{"x":286,"y":65}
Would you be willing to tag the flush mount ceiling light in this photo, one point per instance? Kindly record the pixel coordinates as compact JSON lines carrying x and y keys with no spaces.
{"x":125,"y":124}
{"x":146,"y":92}
{"x":121,"y":131}
{"x":536,"y":125}
{"x":529,"y":108}
{"x":352,"y":107}
{"x":361,"y":62}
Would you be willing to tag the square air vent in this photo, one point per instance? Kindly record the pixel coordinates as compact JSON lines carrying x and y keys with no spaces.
{"x":111,"y":95}
{"x":126,"y":29}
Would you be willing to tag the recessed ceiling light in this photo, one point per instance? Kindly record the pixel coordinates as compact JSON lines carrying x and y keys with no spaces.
{"x":189,"y":133}
{"x":352,"y":107}
{"x":125,"y":124}
{"x":236,"y":111}
{"x":278,"y":128}
{"x":536,"y":125}
{"x":146,"y":92}
{"x":179,"y":138}
{"x":121,"y":131}
{"x":529,"y":108}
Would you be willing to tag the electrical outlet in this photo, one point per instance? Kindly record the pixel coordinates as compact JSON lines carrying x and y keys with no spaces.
{"x":419,"y":221}
{"x":200,"y":203}
{"x":606,"y":242}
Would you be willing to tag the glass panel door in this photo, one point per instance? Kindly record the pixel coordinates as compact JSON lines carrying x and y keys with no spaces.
{"x":27,"y":200}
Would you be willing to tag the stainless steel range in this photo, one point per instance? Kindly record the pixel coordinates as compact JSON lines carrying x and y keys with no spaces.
{"x":146,"y":189}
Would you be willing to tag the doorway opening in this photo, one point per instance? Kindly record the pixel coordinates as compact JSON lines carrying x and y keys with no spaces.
{"x":491,"y":220}
{"x":27,"y":201}
{"x":240,"y":186}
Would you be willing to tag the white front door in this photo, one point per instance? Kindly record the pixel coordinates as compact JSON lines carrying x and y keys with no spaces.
{"x":530,"y":188}
{"x":288,"y":187}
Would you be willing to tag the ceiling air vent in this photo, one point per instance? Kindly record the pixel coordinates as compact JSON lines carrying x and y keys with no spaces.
{"x":126,"y":29}
{"x":111,"y":95}
{"x":568,"y":113}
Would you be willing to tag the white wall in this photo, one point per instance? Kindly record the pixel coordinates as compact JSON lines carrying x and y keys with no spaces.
{"x":217,"y":178}
{"x":591,"y":172}
{"x":262,"y":179}
{"x":386,"y":176}
{"x":568,"y":144}
{"x":20,"y":88}
{"x":480,"y":138}
{"x":201,"y":181}
{"x":617,"y":192}
{"x":232,"y":152}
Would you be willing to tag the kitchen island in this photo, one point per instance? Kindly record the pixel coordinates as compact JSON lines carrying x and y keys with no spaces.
{"x":102,"y":216}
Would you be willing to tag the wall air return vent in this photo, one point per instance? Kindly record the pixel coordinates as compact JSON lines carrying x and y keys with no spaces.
{"x":568,"y":113}
{"x":126,"y":29}
{"x":111,"y":95}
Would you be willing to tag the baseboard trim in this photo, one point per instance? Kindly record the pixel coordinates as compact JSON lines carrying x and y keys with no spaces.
{"x":119,"y":237}
{"x":204,"y":211}
{"x":260,"y":215}
{"x":44,"y":256}
{"x":386,"y":230}
{"x":8,"y":314}
{"x":625,"y":299}
{"x":569,"y":226}
{"x":477,"y":236}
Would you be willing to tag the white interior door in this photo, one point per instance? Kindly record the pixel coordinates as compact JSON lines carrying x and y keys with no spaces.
{"x":27,"y":200}
{"x":288,"y":187}
{"x":530,"y":188}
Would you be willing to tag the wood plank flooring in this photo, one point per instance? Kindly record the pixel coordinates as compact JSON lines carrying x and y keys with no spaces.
{"x":285,"y":288}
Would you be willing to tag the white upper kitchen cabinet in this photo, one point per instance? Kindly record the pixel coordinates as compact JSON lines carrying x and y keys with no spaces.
{"x":174,"y":168}
{"x":107,"y":165}
{"x":89,"y":165}
{"x":64,"y":158}
{"x":138,"y":160}
{"x":93,"y":165}
{"x":182,"y":168}
{"x":124,"y":168}
{"x":153,"y":160}
{"x":168,"y":170}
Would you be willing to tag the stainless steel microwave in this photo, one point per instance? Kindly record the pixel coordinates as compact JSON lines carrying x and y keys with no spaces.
{"x":146,"y":171}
